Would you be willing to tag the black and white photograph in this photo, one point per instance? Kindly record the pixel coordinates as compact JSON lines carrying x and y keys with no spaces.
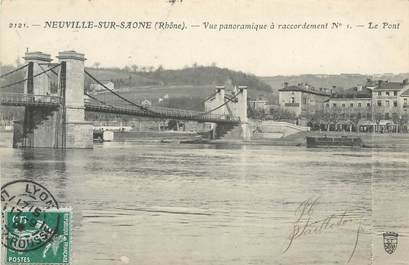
{"x":188,"y":132}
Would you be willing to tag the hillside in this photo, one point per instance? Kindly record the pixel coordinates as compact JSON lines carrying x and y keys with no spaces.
{"x":185,"y":88}
{"x":192,"y":81}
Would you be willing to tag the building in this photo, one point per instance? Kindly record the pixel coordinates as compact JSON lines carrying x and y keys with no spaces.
{"x":379,"y":106}
{"x":259,"y":105}
{"x":343,"y":110}
{"x":302,"y":99}
{"x":387,"y":99}
{"x":146,"y":103}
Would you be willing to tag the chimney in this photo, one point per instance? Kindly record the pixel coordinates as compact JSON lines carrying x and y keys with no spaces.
{"x":379,"y":82}
{"x":405,"y":82}
{"x":219,"y":88}
{"x":285,"y":84}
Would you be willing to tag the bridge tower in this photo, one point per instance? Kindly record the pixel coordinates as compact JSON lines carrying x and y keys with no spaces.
{"x":77,"y":132}
{"x":230,"y":106}
{"x":54,"y":127}
{"x":40,"y":126}
{"x":241,"y":111}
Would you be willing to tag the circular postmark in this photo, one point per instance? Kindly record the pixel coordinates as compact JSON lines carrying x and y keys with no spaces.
{"x":25,"y":223}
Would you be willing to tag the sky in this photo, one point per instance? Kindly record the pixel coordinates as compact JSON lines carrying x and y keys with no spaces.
{"x":264,"y":53}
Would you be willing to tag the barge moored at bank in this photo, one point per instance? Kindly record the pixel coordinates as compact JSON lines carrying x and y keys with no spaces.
{"x":334,"y":141}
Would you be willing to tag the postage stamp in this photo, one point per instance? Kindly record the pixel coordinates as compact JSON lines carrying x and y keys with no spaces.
{"x":34,"y":229}
{"x":21,"y":232}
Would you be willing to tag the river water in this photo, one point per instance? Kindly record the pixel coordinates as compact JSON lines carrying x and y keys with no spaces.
{"x":146,"y":203}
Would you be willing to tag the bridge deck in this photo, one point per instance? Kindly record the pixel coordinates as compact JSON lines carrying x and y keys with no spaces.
{"x":15,"y":99}
{"x":47,"y":101}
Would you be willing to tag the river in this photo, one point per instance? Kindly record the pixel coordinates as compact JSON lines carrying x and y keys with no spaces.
{"x":146,"y":203}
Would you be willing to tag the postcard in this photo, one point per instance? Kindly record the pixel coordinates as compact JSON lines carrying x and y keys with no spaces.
{"x":195,"y":132}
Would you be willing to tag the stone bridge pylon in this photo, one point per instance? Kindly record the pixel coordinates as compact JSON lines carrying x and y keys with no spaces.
{"x":45,"y":126}
{"x":233,"y":104}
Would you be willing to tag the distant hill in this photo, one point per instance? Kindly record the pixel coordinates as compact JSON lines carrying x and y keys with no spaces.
{"x":199,"y":76}
{"x":341,"y":81}
{"x":184,"y":88}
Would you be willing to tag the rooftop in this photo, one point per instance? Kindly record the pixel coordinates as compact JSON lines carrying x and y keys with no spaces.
{"x":306,"y":89}
{"x":387,"y":85}
{"x":354,"y":92}
{"x":405,"y":94}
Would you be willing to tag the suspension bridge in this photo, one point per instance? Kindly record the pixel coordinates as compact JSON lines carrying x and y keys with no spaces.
{"x":54,"y":103}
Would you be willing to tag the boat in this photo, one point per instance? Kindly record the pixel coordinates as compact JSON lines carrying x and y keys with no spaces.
{"x":334,"y":141}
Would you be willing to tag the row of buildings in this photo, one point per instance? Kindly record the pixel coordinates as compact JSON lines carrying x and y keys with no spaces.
{"x":375,"y":106}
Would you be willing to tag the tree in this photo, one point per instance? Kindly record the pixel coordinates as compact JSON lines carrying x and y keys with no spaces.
{"x":160,"y":68}
{"x":134,"y":67}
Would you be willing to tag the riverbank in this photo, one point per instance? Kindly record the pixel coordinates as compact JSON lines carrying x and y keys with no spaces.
{"x":373,"y":140}
{"x":369,"y":140}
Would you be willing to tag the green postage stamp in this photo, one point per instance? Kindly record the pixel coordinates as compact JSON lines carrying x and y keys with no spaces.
{"x":31,"y":237}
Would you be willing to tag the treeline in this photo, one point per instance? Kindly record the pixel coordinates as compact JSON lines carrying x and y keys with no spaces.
{"x":204,"y":75}
{"x":194,"y":75}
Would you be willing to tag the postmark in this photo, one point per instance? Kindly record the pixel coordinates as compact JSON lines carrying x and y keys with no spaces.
{"x":34,"y":229}
{"x":31,"y":227}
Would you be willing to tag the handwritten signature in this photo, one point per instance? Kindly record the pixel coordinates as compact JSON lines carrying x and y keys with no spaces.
{"x":305,"y":224}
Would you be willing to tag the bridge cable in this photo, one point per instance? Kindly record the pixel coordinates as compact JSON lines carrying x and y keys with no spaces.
{"x":98,"y":100}
{"x":207,"y":112}
{"x":12,"y":71}
{"x":116,"y":94}
{"x":21,"y":81}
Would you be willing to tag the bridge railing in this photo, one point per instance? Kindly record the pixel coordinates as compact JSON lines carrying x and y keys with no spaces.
{"x":191,"y":114}
{"x":162,"y":112}
{"x":22,"y":98}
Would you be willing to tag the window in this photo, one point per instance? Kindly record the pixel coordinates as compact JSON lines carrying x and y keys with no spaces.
{"x":368,"y":104}
{"x":386,"y":116}
{"x":343,"y":105}
{"x":359,"y":104}
{"x":387,"y":93}
{"x":305,"y":100}
{"x":351,"y":105}
{"x":405,"y":101}
{"x":387,"y":103}
{"x":379,"y":103}
{"x":379,"y":93}
{"x":395,"y":93}
{"x":395,"y":103}
{"x":327,"y":105}
{"x":368,"y":116}
{"x":335,"y":104}
{"x":292,"y":100}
